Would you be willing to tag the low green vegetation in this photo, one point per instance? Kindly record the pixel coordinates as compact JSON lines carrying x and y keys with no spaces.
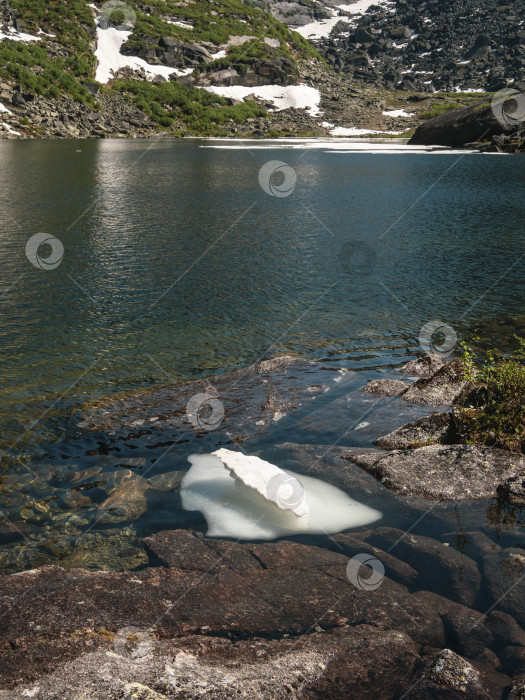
{"x":41,"y":71}
{"x":176,"y":106}
{"x":494,"y":412}
{"x":442,"y":102}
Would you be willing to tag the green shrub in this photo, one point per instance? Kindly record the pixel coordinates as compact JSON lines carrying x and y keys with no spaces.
{"x":494,"y":413}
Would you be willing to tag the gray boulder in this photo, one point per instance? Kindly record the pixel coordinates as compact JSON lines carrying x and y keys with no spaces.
{"x":442,"y":389}
{"x":443,"y":472}
{"x":460,"y":126}
{"x":386,"y":387}
{"x":428,"y":430}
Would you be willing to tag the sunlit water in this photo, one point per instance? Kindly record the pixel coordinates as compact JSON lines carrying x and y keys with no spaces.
{"x":177,"y":265}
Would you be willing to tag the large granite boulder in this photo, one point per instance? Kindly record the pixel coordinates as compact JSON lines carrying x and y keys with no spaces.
{"x":443,"y":472}
{"x":460,"y":126}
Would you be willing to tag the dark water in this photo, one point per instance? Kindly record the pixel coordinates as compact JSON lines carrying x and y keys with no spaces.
{"x":177,"y":266}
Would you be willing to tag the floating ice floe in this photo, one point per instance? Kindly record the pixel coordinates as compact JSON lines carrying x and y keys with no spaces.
{"x":252,"y":499}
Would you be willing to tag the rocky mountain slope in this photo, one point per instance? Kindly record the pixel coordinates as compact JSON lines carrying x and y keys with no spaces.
{"x":70,"y":68}
{"x":428,"y":45}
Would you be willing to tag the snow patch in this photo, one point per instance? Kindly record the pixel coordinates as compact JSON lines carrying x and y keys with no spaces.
{"x":10,"y":130}
{"x":398,"y":113}
{"x":3,"y":108}
{"x":110,"y":60}
{"x":298,"y":96}
{"x":177,"y":23}
{"x":351,"y":131}
{"x":320,"y":29}
{"x":13,"y":35}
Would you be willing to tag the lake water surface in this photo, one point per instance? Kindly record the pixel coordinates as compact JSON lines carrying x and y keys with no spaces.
{"x":177,"y":265}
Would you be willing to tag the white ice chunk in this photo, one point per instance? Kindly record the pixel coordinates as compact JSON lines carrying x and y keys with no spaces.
{"x":274,"y":484}
{"x":235,"y":510}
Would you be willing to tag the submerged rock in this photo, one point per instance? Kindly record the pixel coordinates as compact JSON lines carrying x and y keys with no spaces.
{"x":504,"y":578}
{"x":127,"y":502}
{"x":441,"y":569}
{"x":428,"y":430}
{"x":443,"y":472}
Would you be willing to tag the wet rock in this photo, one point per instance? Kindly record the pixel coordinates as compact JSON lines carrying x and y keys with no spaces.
{"x":428,"y":430}
{"x":443,"y":472}
{"x":442,"y":389}
{"x":503,"y":575}
{"x":386,"y":387}
{"x":505,"y":629}
{"x":423,"y":367}
{"x":450,"y":670}
{"x":441,"y":569}
{"x":517,"y":692}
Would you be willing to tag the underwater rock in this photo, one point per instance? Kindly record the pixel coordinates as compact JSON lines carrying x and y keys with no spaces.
{"x":233,"y":509}
{"x":503,"y":576}
{"x":166,"y":482}
{"x":127,"y":502}
{"x":443,"y":472}
{"x":441,"y":569}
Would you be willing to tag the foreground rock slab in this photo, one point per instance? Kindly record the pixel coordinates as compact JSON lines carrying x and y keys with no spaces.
{"x":443,"y":472}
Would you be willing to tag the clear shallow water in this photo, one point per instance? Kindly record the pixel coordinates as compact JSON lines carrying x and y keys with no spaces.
{"x":177,"y":265}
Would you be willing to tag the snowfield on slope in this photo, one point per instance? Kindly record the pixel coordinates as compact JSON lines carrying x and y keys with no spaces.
{"x":298,"y":96}
{"x":110,"y":60}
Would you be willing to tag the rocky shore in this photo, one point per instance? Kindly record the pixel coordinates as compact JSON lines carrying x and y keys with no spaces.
{"x":194,"y":616}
